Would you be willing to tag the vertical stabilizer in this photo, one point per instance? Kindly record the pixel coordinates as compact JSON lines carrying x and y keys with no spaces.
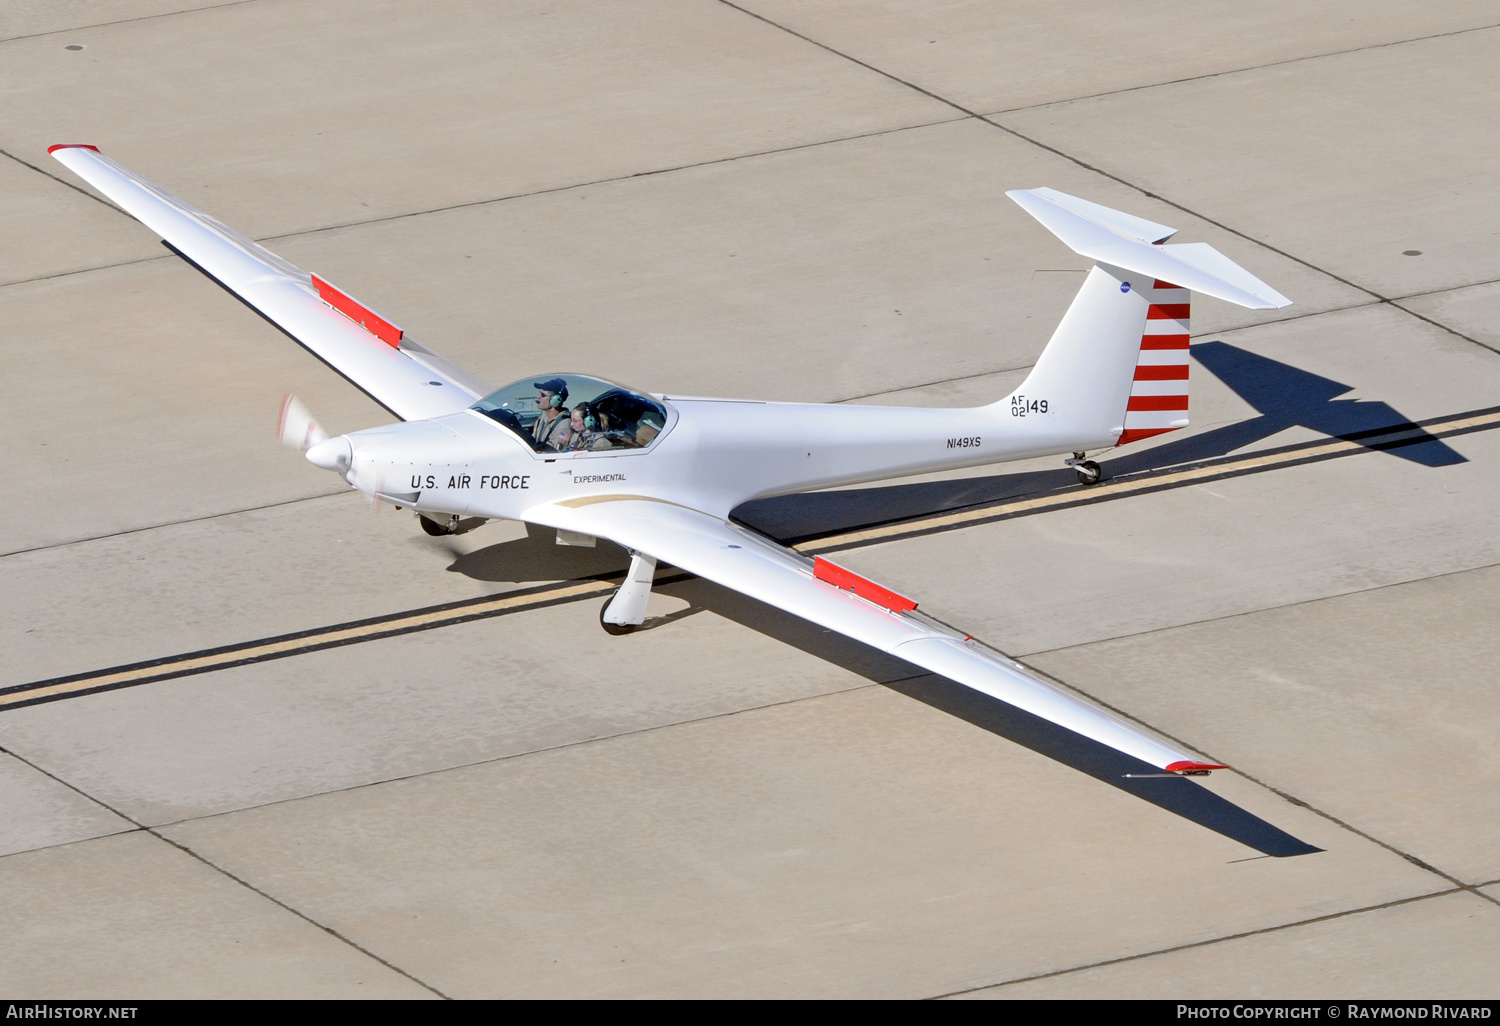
{"x":1085,"y":374}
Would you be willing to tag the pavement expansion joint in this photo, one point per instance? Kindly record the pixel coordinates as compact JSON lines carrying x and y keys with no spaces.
{"x":591,"y":183}
{"x":127,"y":21}
{"x":1185,"y":209}
{"x":549,"y":190}
{"x":298,"y":913}
{"x":178,"y":523}
{"x":1204,"y":943}
{"x":930,"y":384}
{"x":851,"y":59}
{"x":1330,"y":817}
{"x":1061,"y":153}
{"x":82,"y":270}
{"x":564,"y":746}
{"x":156,"y":833}
{"x":1265,"y":609}
{"x":1375,"y":296}
{"x":1110,"y":175}
{"x":1279,"y":792}
{"x":63,"y":181}
{"x":1240,"y":71}
{"x":1439,"y":324}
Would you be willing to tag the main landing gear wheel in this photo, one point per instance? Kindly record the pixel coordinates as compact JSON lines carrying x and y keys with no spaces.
{"x":615,"y":628}
{"x":1089,"y":472}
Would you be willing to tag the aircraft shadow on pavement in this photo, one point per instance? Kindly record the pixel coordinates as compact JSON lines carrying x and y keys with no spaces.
{"x":1283,"y":396}
{"x":1178,"y":795}
{"x":538,"y":557}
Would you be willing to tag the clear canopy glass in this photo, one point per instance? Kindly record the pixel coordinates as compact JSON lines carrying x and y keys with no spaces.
{"x":572,"y":413}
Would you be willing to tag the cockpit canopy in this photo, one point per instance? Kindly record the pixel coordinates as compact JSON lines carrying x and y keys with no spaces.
{"x":571,"y":413}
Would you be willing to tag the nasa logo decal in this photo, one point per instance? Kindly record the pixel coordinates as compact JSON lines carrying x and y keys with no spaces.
{"x":1124,"y":286}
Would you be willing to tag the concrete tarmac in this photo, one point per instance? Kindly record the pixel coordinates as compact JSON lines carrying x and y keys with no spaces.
{"x":757,"y":199}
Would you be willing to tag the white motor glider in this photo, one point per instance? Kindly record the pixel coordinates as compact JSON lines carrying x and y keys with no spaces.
{"x":659,"y":475}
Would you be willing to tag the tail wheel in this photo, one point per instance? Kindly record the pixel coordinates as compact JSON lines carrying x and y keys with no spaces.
{"x":1089,"y":472}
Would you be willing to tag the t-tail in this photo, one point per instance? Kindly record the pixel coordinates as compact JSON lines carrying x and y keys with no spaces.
{"x":1116,"y":369}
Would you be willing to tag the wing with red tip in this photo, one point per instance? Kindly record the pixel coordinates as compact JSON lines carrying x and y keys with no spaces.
{"x":840,"y":600}
{"x":409,"y":380}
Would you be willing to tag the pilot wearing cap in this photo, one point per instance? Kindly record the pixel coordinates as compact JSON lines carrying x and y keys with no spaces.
{"x":551,"y":428}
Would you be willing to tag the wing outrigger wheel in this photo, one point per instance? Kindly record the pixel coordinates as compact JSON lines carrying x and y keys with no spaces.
{"x":615,"y":628}
{"x":626,"y":611}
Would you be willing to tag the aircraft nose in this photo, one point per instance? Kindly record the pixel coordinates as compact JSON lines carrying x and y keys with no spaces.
{"x":334,"y":454}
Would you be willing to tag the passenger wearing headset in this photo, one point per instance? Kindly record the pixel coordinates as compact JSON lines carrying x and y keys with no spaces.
{"x":581,"y":427}
{"x":551,"y":428}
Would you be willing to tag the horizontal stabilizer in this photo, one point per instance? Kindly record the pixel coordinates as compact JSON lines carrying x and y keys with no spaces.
{"x":1128,"y":225}
{"x":1135,"y":244}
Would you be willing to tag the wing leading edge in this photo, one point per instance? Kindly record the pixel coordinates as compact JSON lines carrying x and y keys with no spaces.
{"x":406,"y":378}
{"x":747,"y":563}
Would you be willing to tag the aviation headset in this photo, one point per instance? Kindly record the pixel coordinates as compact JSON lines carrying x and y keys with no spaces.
{"x":559,"y":389}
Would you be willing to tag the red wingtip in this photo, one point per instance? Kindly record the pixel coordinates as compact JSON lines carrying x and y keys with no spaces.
{"x":1188,"y":767}
{"x":72,"y":146}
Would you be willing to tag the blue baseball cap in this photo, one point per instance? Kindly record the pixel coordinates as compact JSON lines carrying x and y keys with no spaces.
{"x":557,"y":386}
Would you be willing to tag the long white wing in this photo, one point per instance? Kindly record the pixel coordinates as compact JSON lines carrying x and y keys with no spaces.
{"x":412,"y":382}
{"x":750,"y":564}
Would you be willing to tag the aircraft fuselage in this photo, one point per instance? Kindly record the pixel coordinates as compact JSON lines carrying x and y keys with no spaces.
{"x":712,"y":454}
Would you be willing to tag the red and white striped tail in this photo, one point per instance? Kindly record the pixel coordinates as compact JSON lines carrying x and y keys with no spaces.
{"x":1159,"y":393}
